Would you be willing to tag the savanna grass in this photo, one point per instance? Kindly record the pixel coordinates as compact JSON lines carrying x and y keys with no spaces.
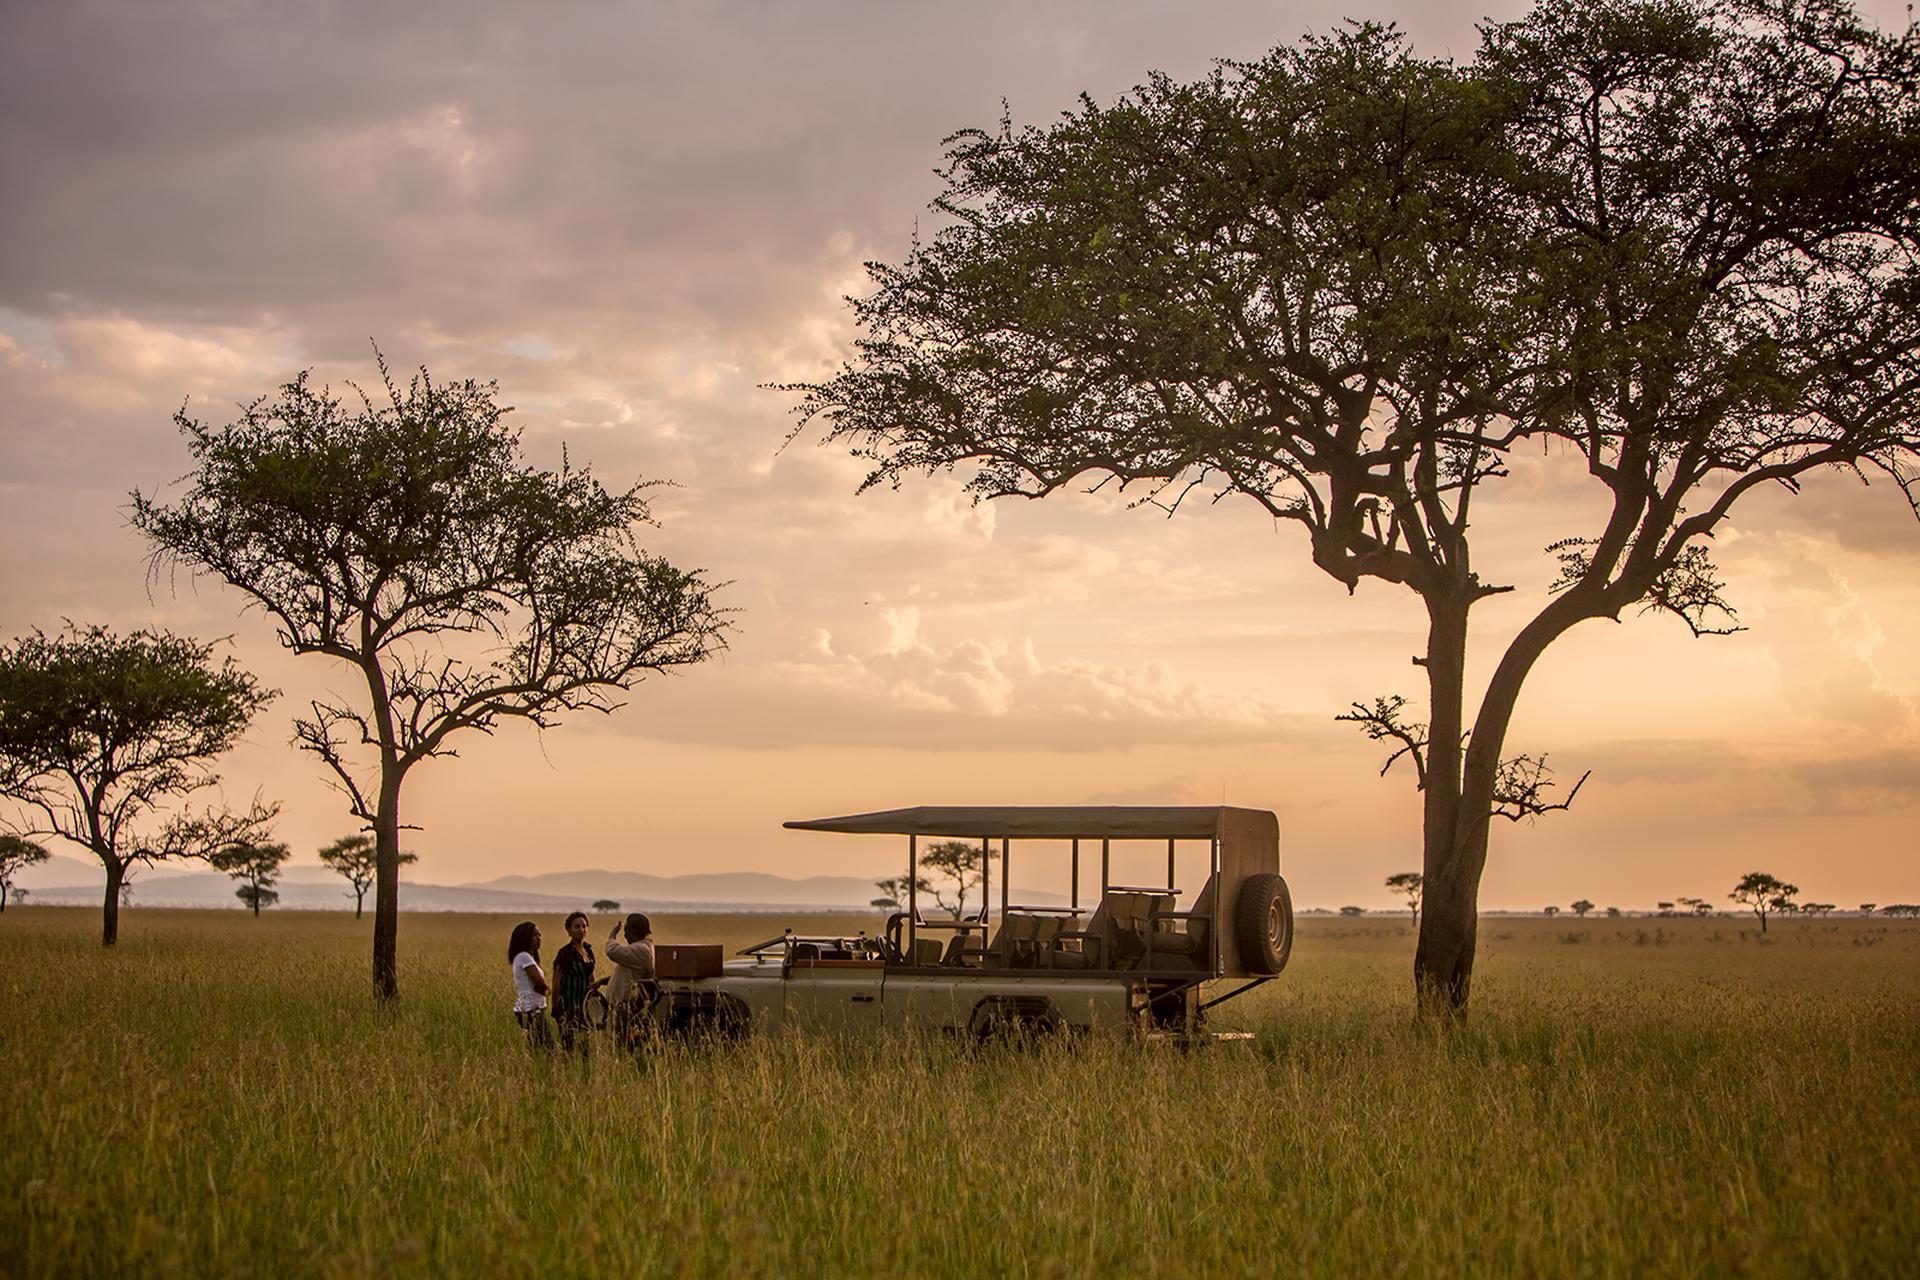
{"x":220,"y":1096}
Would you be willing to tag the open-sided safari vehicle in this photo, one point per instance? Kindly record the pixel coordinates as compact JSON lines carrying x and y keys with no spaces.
{"x":1130,"y":960}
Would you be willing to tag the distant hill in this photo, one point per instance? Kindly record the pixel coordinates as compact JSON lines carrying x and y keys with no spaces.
{"x":636,"y":889}
{"x":65,"y":881}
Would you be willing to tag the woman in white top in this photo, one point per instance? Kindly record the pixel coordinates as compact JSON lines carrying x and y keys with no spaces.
{"x":529,"y":984}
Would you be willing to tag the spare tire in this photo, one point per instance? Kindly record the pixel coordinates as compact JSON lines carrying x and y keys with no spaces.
{"x":1263,"y":923}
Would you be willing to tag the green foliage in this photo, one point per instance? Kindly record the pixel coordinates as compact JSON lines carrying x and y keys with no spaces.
{"x":406,"y":538}
{"x":102,"y":734}
{"x":1674,"y":240}
{"x":1331,"y":1146}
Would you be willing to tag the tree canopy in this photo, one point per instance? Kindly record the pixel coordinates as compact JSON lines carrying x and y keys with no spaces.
{"x":1763,"y":894}
{"x":1672,"y":239}
{"x":103,"y":737}
{"x":404,"y":536}
{"x":354,"y":858}
{"x":256,"y":865}
{"x":16,"y":854}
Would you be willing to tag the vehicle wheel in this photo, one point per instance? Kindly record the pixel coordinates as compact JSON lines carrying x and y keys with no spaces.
{"x":1018,"y":1018}
{"x":1263,"y":923}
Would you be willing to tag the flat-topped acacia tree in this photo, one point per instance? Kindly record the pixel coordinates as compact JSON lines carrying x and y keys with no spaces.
{"x":104,"y":739}
{"x":1673,"y":240}
{"x":407,"y":540}
{"x":353,"y":857}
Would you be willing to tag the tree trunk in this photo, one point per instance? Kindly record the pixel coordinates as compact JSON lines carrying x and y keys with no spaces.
{"x":110,"y":909}
{"x":256,"y":902}
{"x":359,"y":902}
{"x":1447,"y":916}
{"x":386,"y":887}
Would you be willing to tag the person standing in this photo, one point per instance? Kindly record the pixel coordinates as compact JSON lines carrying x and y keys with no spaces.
{"x":632,"y":972}
{"x":529,"y":984}
{"x":572,"y":981}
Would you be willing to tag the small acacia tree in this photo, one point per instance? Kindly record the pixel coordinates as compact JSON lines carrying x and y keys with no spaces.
{"x":103,"y":737}
{"x":893,"y":891}
{"x":1410,"y":883}
{"x":16,"y":854}
{"x":1673,"y":241}
{"x":606,"y":904}
{"x":1764,"y":894}
{"x":406,"y":540}
{"x":1581,"y":907}
{"x":956,"y":867}
{"x":353,"y":858}
{"x":257,"y":867}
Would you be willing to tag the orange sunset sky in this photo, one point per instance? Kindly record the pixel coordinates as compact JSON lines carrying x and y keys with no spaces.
{"x":632,"y":216}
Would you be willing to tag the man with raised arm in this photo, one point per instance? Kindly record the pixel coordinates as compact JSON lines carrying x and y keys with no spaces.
{"x":632,"y":972}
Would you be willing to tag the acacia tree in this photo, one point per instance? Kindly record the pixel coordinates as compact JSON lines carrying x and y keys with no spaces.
{"x":1671,"y":239}
{"x":16,"y":855}
{"x":1581,"y":907}
{"x":957,"y":866}
{"x":103,"y":738}
{"x":894,"y":891}
{"x":407,"y":540}
{"x":1764,"y":894}
{"x":353,"y":857}
{"x":1409,"y":883}
{"x":256,"y":865}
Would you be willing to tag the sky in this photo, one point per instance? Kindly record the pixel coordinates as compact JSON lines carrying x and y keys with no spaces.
{"x":634,"y":217}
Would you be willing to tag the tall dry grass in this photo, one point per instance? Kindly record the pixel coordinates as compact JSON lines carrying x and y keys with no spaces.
{"x":219,"y":1096}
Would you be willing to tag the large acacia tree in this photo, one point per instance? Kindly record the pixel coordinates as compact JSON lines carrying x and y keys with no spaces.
{"x":105,"y":737}
{"x":1672,"y":239}
{"x":404,"y":537}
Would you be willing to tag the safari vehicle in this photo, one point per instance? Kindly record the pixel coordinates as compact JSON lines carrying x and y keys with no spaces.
{"x":1131,"y":962}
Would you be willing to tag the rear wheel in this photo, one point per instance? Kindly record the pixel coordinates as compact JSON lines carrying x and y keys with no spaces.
{"x":1263,"y":923}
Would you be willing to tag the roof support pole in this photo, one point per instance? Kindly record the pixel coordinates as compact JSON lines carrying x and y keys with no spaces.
{"x":986,"y":876}
{"x":1074,"y":900}
{"x":1006,"y":877}
{"x":1106,"y":930}
{"x":1171,"y":882}
{"x":913,"y":897}
{"x":1219,"y":912}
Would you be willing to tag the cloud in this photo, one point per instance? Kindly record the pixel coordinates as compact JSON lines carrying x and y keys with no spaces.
{"x":970,"y":694}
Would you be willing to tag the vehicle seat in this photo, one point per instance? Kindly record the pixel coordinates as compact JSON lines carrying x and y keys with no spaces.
{"x":1040,"y":949}
{"x":1093,"y":945}
{"x":926,"y":951}
{"x":1187,"y":937}
{"x":1013,"y":946}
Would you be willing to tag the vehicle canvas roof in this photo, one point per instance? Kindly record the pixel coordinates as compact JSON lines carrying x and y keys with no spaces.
{"x":1046,"y":822}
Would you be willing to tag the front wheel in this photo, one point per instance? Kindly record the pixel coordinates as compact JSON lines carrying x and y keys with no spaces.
{"x":1263,"y":923}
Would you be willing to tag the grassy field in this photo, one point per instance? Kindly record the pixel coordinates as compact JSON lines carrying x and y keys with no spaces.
{"x":219,"y":1096}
